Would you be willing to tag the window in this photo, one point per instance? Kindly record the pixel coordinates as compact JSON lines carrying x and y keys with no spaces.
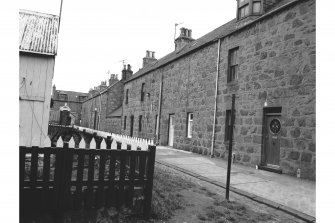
{"x":228,"y":124}
{"x":189,"y":124}
{"x":125,"y":123}
{"x":142,"y":91}
{"x":256,"y":7}
{"x":140,"y":123}
{"x":63,"y":97}
{"x":127,"y":92}
{"x":232,"y":64}
{"x":243,"y":11}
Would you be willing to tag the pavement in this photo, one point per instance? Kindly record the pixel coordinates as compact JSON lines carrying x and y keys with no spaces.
{"x":290,"y":194}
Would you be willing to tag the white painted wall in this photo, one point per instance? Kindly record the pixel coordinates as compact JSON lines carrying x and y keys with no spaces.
{"x":36,"y":74}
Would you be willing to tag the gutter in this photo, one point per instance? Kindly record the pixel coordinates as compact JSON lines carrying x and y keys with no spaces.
{"x":216,"y":95}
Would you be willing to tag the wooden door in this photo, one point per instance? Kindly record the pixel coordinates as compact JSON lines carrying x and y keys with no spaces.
{"x":131,"y":125}
{"x":171,"y":130}
{"x":272,"y":140}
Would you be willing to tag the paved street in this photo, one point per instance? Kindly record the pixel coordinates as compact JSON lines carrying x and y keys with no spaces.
{"x":288,"y":191}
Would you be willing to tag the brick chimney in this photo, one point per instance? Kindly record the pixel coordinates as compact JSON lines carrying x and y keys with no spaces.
{"x":184,"y":38}
{"x":113,"y":79}
{"x":126,"y":72}
{"x":102,"y":86}
{"x":149,"y":58}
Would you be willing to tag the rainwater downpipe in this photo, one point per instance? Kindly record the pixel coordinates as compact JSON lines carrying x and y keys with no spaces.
{"x":216,"y":95}
{"x":159,"y":111}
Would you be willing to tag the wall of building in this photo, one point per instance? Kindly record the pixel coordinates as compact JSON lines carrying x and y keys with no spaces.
{"x":276,"y":64}
{"x":36,"y":73}
{"x":148,"y":108}
{"x":106,"y":103}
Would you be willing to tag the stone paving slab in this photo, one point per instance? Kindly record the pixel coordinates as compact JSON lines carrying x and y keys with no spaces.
{"x":287,"y":192}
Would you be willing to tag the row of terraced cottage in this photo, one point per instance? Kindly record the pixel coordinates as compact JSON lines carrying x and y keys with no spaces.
{"x":265,"y":56}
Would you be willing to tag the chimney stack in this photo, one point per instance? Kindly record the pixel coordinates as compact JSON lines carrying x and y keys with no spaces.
{"x":113,"y":79}
{"x":184,"y":38}
{"x":149,"y":59}
{"x":126,"y":72}
{"x":54,"y":92}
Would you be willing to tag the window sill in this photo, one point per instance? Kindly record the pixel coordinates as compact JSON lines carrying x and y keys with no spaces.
{"x":232,"y":83}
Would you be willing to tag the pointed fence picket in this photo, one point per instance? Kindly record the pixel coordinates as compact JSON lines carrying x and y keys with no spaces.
{"x":71,"y":143}
{"x":93,"y":144}
{"x":103,"y":145}
{"x":47,"y":142}
{"x":59,"y":142}
{"x":82,"y":143}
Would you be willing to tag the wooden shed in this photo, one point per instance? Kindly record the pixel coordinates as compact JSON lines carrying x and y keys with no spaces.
{"x":38,"y":37}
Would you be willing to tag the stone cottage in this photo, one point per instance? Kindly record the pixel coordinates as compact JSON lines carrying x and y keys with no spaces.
{"x":102,"y":110}
{"x":266,"y":57}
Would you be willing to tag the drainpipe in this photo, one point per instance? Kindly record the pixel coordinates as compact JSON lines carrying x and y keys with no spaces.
{"x":159,"y":111}
{"x":216,"y":95}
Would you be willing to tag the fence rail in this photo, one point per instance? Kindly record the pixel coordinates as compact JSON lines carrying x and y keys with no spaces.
{"x":63,"y":177}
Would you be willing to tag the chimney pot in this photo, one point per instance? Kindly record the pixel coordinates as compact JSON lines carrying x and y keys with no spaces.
{"x":184,"y":38}
{"x":129,"y":67}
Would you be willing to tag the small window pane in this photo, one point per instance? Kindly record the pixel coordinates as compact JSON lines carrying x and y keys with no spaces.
{"x":243,"y":11}
{"x":256,"y":8}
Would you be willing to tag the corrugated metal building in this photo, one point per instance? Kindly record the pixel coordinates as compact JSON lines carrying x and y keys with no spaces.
{"x":38,"y":37}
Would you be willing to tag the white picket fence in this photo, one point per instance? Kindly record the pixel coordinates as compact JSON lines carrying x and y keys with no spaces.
{"x":134,"y":142}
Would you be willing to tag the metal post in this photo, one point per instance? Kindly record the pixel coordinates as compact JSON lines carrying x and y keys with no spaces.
{"x":232,"y":118}
{"x":95,"y":118}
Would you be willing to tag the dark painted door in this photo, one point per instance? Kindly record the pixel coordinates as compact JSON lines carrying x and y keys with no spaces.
{"x":131,"y":125}
{"x":272,"y":139}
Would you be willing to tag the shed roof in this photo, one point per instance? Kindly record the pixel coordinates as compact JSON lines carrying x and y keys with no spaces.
{"x":38,"y":32}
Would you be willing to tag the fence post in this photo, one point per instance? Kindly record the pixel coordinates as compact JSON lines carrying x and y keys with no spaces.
{"x":118,"y":145}
{"x":60,"y":169}
{"x":109,"y":142}
{"x":150,"y":179}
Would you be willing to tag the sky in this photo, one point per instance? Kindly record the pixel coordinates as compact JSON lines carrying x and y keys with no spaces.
{"x":95,"y":36}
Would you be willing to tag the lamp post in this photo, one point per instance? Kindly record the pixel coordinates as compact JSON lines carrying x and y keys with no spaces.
{"x":95,"y":118}
{"x":232,"y":118}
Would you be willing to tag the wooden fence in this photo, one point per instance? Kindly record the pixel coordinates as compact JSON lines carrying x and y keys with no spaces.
{"x":63,"y":177}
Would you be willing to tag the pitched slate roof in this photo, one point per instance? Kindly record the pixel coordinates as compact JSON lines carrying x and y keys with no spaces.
{"x":38,"y":32}
{"x":209,"y":38}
